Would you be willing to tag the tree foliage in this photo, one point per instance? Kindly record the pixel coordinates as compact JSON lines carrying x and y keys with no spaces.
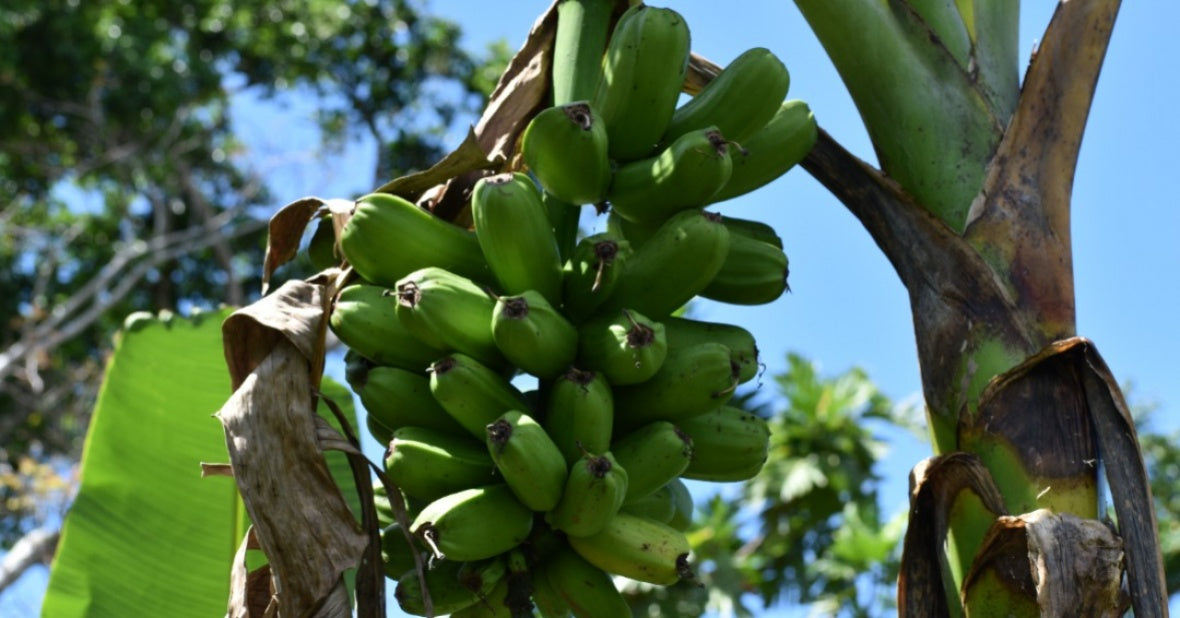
{"x":124,"y":185}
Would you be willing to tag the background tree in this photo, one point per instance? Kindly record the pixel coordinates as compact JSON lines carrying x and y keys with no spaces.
{"x":124,"y":186}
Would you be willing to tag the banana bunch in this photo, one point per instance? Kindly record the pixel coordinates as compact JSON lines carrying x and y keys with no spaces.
{"x":537,"y":497}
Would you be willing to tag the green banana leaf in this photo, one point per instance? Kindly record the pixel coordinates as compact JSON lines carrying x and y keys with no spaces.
{"x":147,"y":535}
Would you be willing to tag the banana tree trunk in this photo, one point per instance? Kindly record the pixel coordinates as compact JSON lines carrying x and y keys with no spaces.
{"x":972,"y":210}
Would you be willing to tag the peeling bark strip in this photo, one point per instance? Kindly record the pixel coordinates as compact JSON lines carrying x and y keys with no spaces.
{"x":955,"y":297}
{"x":1069,"y":565}
{"x":300,"y":518}
{"x":1021,"y":217}
{"x":935,"y":483}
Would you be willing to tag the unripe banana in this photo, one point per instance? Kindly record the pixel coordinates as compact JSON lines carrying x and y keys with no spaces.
{"x":660,"y":505}
{"x":757,"y":230}
{"x":385,"y":514}
{"x":693,"y":381}
{"x":743,"y":350}
{"x":471,"y":393}
{"x":566,"y":148}
{"x":365,"y":319}
{"x":448,"y":312}
{"x":683,"y":176}
{"x":513,"y":229}
{"x":639,"y":548}
{"x":580,"y":413}
{"x":492,"y":605}
{"x":453,"y":585}
{"x":546,"y":597}
{"x":754,"y":273}
{"x":583,"y":27}
{"x":682,"y":499}
{"x":388,"y":237}
{"x":635,"y":233}
{"x":473,"y":524}
{"x":397,"y":398}
{"x":642,"y":74}
{"x":533,"y":335}
{"x":429,"y":464}
{"x":675,"y":264}
{"x":730,"y":445}
{"x":591,"y":273}
{"x":652,"y":455}
{"x":626,"y":347}
{"x":527,"y":458}
{"x":592,"y":495}
{"x":771,"y":151}
{"x":397,"y":555}
{"x":583,"y":588}
{"x":379,"y":431}
{"x":739,"y":101}
{"x":321,"y":250}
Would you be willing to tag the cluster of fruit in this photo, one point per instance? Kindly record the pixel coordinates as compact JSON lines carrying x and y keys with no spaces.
{"x":539,"y":496}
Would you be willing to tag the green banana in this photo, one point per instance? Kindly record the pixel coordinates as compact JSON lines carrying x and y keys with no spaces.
{"x":396,"y":398}
{"x":583,"y":27}
{"x":642,"y":73}
{"x":513,"y":230}
{"x":693,"y":381}
{"x":592,"y":495}
{"x":492,"y":605}
{"x":365,"y":319}
{"x":591,"y":273}
{"x":682,"y":500}
{"x":397,"y":554}
{"x":771,"y":151}
{"x":565,"y":148}
{"x":381,"y":433}
{"x":676,"y":263}
{"x":730,"y":445}
{"x":583,"y":588}
{"x":388,"y":237}
{"x":580,"y":413}
{"x":652,"y":455}
{"x":527,"y":459}
{"x":546,"y":597}
{"x":626,"y":347}
{"x":753,"y":229}
{"x":660,"y":505}
{"x":739,"y":101}
{"x":448,"y":311}
{"x":453,"y":585}
{"x":639,"y":548}
{"x":473,"y":524}
{"x":635,"y":233}
{"x":743,"y":350}
{"x":385,"y":516}
{"x":754,"y":273}
{"x":321,"y":250}
{"x":471,"y":393}
{"x":533,"y":335}
{"x":683,"y":176}
{"x":429,"y":464}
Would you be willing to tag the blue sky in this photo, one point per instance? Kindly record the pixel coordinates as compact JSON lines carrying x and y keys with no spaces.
{"x":847,"y":307}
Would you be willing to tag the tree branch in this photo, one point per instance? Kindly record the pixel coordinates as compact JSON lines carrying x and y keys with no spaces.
{"x":36,"y":547}
{"x":128,"y":267}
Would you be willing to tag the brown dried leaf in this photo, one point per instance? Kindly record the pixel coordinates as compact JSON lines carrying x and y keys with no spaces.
{"x":284,"y":233}
{"x":301,"y":520}
{"x":935,"y":483}
{"x":523,"y":89}
{"x":701,"y":71}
